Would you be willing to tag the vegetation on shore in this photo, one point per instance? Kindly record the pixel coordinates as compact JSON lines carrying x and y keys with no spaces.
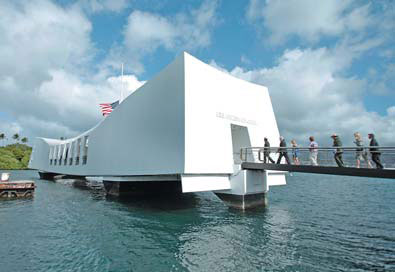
{"x":14,"y":156}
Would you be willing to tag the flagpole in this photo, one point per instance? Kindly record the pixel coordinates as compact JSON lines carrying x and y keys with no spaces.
{"x":121,"y":92}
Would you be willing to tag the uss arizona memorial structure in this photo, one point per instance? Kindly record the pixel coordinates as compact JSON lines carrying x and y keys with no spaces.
{"x":180,"y":131}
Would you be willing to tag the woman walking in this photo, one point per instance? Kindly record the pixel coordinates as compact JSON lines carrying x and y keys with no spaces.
{"x":295,"y":152}
{"x":361,"y":154}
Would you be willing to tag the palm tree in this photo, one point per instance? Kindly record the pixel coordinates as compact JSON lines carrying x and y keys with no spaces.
{"x":24,"y":140}
{"x":16,"y":137}
{"x":2,"y":136}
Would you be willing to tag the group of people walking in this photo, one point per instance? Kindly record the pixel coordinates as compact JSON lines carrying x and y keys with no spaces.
{"x":361,"y":154}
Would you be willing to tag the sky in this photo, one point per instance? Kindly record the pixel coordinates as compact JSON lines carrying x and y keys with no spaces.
{"x":329,"y":65}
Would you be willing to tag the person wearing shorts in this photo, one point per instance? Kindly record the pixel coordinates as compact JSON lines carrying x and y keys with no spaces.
{"x":360,"y":153}
{"x":295,"y":152}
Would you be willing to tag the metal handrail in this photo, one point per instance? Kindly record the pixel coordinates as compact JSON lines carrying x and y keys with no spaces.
{"x":324,"y":148}
{"x":385,"y":150}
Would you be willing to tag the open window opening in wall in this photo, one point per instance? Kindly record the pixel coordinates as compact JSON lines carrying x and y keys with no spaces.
{"x":50,"y":155}
{"x":61,"y":154}
{"x":77,"y":158}
{"x":85,"y":157}
{"x":66,"y":154}
{"x":55,"y":155}
{"x":71,"y":153}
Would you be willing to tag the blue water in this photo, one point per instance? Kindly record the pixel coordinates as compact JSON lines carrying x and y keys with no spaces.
{"x":315,"y":223}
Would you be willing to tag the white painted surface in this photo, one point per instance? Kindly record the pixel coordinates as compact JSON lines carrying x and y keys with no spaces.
{"x":200,"y":183}
{"x":246,"y":182}
{"x":213,"y":101}
{"x":178,"y":123}
{"x":275,"y":178}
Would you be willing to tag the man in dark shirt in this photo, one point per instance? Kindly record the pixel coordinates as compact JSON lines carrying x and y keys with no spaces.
{"x":375,"y":151}
{"x":339,"y":152}
{"x":283,"y":152}
{"x":266,"y":152}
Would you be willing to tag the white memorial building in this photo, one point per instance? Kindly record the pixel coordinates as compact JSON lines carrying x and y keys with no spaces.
{"x":180,"y":132}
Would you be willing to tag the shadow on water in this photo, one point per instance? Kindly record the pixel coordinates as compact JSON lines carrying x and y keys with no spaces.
{"x":157,"y":202}
{"x":165,"y":202}
{"x":169,"y":202}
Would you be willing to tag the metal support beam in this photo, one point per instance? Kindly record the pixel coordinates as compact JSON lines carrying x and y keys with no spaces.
{"x":329,"y":170}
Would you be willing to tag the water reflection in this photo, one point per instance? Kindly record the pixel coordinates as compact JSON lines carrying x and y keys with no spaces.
{"x":167,"y":202}
{"x":240,"y":241}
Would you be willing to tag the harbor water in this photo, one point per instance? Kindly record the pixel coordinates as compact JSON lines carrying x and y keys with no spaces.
{"x":315,"y":223}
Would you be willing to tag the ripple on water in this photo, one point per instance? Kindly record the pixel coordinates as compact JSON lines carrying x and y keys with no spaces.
{"x":315,"y":223}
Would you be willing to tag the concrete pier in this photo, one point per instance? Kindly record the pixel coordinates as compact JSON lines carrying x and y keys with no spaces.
{"x":248,"y":190}
{"x":244,"y":202}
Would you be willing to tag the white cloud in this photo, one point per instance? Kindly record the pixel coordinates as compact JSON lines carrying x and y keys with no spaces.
{"x":46,"y":86}
{"x":52,"y":128}
{"x":310,"y":97}
{"x":9,"y":129}
{"x":308,"y":19}
{"x":391,"y":111}
{"x":128,"y":84}
{"x":145,"y":31}
{"x":96,"y":6}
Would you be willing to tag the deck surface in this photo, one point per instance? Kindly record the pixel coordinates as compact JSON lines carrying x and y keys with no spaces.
{"x":329,"y":170}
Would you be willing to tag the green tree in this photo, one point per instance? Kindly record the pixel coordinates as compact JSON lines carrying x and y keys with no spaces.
{"x":16,"y":137}
{"x":8,"y":160}
{"x":26,"y":158}
{"x":15,"y":156}
{"x":24,"y":140}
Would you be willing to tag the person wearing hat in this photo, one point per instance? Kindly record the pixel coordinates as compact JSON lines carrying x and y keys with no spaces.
{"x":375,"y":151}
{"x":339,"y":152}
{"x":283,"y":151}
{"x":266,"y":152}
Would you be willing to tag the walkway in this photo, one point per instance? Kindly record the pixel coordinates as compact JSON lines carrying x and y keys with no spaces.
{"x":252,"y":158}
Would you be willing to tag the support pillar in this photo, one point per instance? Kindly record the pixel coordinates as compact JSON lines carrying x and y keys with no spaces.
{"x":248,"y":190}
{"x":244,"y":202}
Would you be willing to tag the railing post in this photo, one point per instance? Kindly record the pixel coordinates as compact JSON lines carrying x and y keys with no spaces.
{"x":260,"y":155}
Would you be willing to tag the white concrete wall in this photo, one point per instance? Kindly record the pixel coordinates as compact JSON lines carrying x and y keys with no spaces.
{"x":213,"y":101}
{"x":179,"y":122}
{"x":143,"y":135}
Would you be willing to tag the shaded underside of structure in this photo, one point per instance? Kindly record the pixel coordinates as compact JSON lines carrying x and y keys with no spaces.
{"x":329,"y":170}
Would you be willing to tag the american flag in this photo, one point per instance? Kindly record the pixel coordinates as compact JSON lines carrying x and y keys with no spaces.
{"x":106,"y":108}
